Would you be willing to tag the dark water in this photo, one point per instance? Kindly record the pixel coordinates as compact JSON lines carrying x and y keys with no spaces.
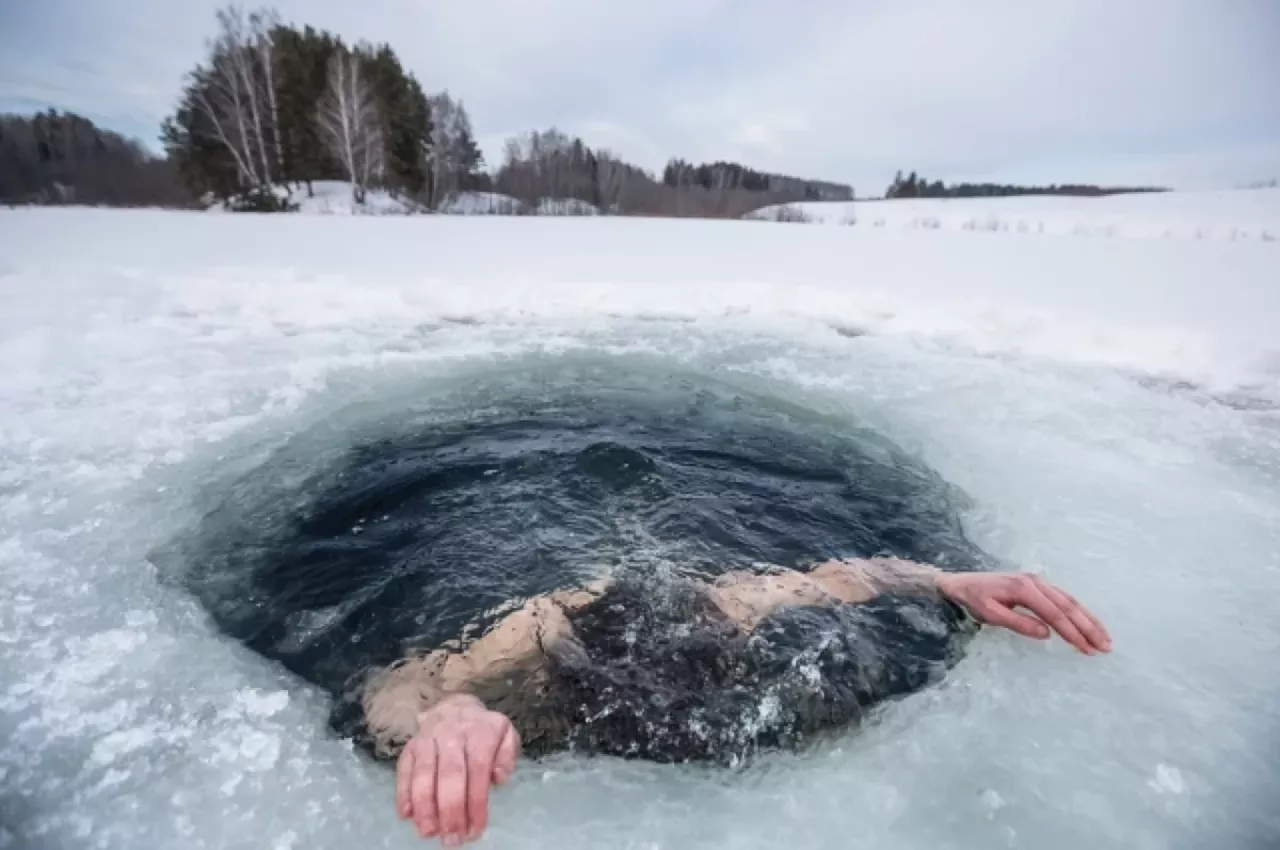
{"x":349,"y":547}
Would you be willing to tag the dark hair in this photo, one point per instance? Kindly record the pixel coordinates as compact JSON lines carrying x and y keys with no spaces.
{"x":655,"y":671}
{"x":665,"y":677}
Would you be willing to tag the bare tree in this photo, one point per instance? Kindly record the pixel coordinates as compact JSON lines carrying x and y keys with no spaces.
{"x":453,"y":157}
{"x":350,"y":124}
{"x":262,"y":26}
{"x":442,"y":166}
{"x":243,"y":64}
{"x":611,"y":178}
{"x":224,"y":104}
{"x":237,"y":91}
{"x":550,"y":165}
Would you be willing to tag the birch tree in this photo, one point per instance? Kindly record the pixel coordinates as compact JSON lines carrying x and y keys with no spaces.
{"x":440,"y":154}
{"x":262,"y":27}
{"x":350,"y":124}
{"x":453,"y":155}
{"x":236,"y":94}
{"x":247,"y":116}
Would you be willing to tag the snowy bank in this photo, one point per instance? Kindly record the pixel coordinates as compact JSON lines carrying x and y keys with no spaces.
{"x":483,"y":203}
{"x":495,"y":203}
{"x":334,"y":197}
{"x":1240,"y":215}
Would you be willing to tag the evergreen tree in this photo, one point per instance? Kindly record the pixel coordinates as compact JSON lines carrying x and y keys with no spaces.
{"x":203,"y":163}
{"x":407,"y":117}
{"x":727,"y":176}
{"x":304,"y":58}
{"x":62,"y":158}
{"x":919,"y":187}
{"x":453,"y":161}
{"x":285,"y":69}
{"x":467,"y":155}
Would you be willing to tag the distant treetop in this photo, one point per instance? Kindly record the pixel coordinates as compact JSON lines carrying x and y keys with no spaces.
{"x":731,"y":175}
{"x":63,"y":158}
{"x":913,"y":186}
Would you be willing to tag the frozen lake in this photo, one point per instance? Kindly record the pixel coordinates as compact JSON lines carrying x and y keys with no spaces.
{"x":1109,"y":406}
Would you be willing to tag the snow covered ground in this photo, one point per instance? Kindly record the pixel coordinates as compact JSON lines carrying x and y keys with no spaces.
{"x":494,"y":203}
{"x":565,"y":206}
{"x":1112,"y":406}
{"x":334,"y":197}
{"x":482,"y":203}
{"x":1236,"y":216}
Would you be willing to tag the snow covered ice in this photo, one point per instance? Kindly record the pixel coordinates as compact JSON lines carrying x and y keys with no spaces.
{"x":1223,"y":215}
{"x":1110,"y":404}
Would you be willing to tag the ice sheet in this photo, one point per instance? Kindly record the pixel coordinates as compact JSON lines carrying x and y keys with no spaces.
{"x":1108,"y":404}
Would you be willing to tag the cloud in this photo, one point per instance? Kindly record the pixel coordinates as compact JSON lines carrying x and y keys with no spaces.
{"x":1181,"y":91}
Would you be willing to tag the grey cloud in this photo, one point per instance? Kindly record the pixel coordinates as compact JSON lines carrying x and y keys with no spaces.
{"x":824,"y":88}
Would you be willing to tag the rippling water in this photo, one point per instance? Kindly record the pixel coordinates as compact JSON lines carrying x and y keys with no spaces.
{"x":349,"y":547}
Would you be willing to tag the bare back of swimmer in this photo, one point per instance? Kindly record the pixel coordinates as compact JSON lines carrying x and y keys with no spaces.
{"x":863,"y":629}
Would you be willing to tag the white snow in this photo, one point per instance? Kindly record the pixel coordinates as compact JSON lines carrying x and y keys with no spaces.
{"x":482,"y":203}
{"x":334,"y":197}
{"x":1109,"y":404}
{"x":565,"y":206}
{"x":1235,"y":216}
{"x":495,"y":203}
{"x":331,"y":197}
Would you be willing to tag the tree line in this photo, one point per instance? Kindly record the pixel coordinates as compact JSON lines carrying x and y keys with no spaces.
{"x":273,"y":104}
{"x":548,"y":164}
{"x":273,"y":107}
{"x":62,"y":158}
{"x":732,"y":175}
{"x":913,"y":186}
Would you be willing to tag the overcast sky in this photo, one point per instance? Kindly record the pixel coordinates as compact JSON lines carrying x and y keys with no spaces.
{"x":1180,"y":92}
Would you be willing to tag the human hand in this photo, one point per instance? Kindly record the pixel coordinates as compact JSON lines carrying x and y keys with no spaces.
{"x":444,"y":772}
{"x":992,"y":597}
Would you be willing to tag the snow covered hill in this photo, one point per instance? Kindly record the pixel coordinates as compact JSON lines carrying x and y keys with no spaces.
{"x":1225,"y":215}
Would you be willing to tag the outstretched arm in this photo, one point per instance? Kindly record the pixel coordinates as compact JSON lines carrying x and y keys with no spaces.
{"x":445,"y":771}
{"x":862,"y":579}
{"x":747,"y":597}
{"x":454,"y":748}
{"x":992,"y":598}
